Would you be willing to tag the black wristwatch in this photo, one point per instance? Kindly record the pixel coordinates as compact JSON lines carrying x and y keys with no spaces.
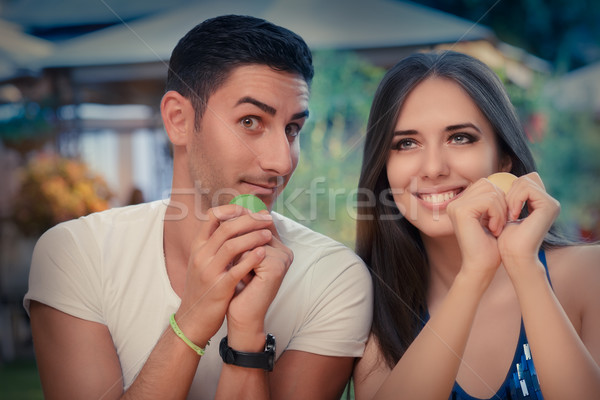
{"x":264,"y":360}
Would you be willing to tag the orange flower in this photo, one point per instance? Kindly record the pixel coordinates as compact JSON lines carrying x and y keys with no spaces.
{"x":56,"y":189}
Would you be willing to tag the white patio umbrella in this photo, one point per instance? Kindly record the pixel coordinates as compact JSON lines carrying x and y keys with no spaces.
{"x":19,"y":51}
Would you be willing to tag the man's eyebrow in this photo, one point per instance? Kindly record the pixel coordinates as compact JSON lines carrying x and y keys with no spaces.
{"x":300,"y":115}
{"x":265,"y":107}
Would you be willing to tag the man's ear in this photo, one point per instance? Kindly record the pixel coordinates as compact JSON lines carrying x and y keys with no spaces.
{"x":178,"y":117}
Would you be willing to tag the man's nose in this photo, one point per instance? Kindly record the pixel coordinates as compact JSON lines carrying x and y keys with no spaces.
{"x":275,"y":154}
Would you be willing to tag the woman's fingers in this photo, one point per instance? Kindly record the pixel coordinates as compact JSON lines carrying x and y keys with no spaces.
{"x":484,"y":202}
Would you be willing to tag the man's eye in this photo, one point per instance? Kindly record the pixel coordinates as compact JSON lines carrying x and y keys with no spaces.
{"x":249,"y":122}
{"x":292,"y":130}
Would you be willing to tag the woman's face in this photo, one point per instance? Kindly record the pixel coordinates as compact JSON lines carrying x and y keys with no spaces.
{"x":442,"y":144}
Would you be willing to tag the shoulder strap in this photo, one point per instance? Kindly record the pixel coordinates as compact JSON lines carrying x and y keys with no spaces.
{"x":542,"y":257}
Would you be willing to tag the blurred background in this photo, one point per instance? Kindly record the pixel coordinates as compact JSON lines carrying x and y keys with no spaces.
{"x":80,"y":130}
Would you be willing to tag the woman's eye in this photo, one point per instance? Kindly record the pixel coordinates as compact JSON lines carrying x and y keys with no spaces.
{"x":404,"y":144}
{"x":249,"y":122}
{"x":461,"y":138}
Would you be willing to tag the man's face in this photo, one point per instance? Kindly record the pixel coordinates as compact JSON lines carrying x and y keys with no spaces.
{"x":248,"y":139}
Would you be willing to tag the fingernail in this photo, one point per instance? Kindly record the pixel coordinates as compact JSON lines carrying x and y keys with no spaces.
{"x":263,"y":217}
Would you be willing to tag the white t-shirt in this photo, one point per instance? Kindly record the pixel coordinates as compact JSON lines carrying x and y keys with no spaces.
{"x":109,"y":268}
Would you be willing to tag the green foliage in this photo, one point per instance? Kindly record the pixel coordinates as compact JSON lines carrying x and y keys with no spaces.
{"x":569,"y":164}
{"x":320,"y":194}
{"x":28,"y":126}
{"x":20,"y":381}
{"x":565,"y":144}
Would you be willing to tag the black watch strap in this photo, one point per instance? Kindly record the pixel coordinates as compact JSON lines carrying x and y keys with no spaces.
{"x":264,"y":360}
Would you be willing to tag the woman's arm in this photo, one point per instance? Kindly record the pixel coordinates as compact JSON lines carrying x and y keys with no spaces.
{"x":435,"y":355}
{"x":566,"y":364}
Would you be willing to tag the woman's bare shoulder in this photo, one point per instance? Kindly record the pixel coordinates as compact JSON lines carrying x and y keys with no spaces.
{"x":575,"y":259}
{"x":575,"y":273}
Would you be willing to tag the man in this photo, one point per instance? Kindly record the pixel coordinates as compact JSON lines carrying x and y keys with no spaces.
{"x":125,"y":302}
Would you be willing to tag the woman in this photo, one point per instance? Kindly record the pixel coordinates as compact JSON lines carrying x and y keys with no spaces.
{"x":464,"y":274}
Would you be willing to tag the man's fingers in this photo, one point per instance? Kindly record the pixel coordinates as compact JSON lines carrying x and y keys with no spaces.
{"x":224,"y":230}
{"x":241,"y":245}
{"x":217,"y":215}
{"x":239,"y":271}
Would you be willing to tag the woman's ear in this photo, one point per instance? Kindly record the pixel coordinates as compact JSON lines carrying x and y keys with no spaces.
{"x":505,"y":163}
{"x":178,"y":117}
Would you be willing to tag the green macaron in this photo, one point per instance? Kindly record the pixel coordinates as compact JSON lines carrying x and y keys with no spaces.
{"x":249,"y":201}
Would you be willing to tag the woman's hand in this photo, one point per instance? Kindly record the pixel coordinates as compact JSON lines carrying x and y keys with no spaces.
{"x":478,"y":217}
{"x":520,"y":240}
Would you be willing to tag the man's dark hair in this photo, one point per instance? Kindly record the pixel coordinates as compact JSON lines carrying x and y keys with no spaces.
{"x":207,"y":54}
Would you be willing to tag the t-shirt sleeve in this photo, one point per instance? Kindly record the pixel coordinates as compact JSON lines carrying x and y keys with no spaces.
{"x":341,"y":307}
{"x":62,"y":273}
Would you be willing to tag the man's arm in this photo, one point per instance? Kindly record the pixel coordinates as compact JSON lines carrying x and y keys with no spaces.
{"x":296,"y":375}
{"x":77,"y":357}
{"x":340,"y":307}
{"x":77,"y":360}
{"x":302,"y":375}
{"x":245,"y":323}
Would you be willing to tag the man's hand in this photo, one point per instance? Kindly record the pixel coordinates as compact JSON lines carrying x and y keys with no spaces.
{"x":246,"y":313}
{"x":215,"y":267}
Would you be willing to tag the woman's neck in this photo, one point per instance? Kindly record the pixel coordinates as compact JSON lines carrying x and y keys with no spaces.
{"x":444,"y":259}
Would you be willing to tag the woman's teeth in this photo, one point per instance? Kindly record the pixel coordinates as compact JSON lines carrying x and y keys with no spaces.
{"x":437,"y":198}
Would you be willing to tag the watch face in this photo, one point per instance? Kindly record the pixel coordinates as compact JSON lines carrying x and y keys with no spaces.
{"x":270,"y":344}
{"x":270,"y":350}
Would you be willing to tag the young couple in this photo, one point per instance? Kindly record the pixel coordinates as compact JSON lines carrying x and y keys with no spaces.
{"x":145,"y":302}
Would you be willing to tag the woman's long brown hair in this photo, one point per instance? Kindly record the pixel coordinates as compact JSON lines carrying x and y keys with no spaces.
{"x":388,"y":243}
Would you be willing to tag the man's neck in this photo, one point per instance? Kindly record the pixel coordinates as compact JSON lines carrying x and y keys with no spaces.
{"x":181,"y":225}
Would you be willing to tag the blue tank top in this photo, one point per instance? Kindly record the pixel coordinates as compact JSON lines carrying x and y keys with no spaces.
{"x":521,"y":382}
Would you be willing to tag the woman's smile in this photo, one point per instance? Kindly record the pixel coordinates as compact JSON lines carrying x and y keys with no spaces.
{"x":439,"y":198}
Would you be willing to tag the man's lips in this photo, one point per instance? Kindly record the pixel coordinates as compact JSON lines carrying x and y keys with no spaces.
{"x":259,"y":188}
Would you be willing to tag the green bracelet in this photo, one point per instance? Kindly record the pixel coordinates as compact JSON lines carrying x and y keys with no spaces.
{"x":187,"y":341}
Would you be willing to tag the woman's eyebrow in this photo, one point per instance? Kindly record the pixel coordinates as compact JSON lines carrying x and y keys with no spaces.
{"x":450,"y":128}
{"x":407,"y":132}
{"x":462,"y":126}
